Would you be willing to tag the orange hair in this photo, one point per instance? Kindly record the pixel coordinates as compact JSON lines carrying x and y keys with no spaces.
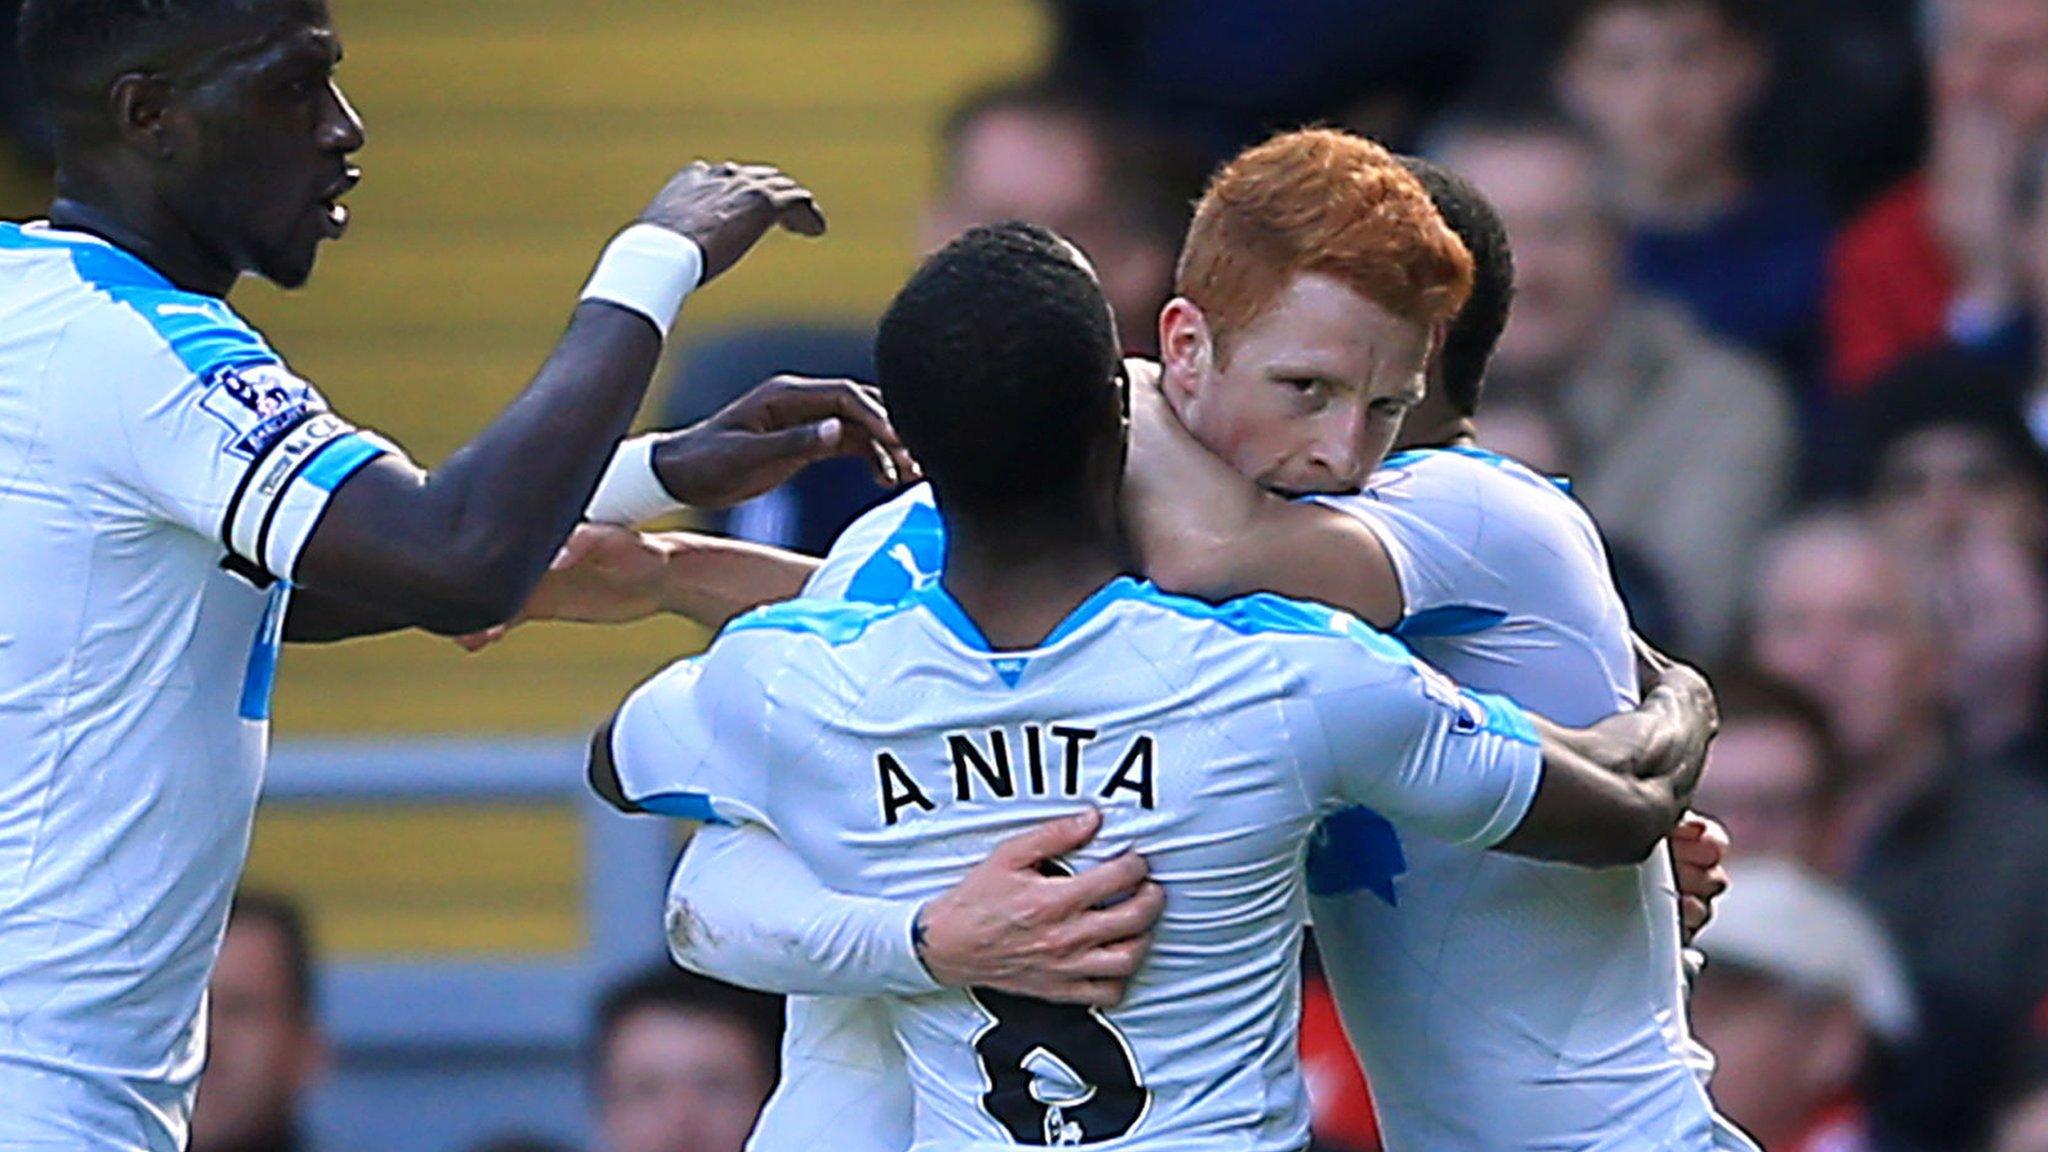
{"x":1324,"y":201}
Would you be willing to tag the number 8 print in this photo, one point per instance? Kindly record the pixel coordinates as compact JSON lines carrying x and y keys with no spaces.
{"x":1033,"y":1048}
{"x":1030,"y":1046}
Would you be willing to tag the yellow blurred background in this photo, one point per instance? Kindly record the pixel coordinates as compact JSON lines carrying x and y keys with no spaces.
{"x":507,"y":140}
{"x":506,"y":144}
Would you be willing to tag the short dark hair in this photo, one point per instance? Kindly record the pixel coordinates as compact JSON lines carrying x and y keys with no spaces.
{"x":667,"y":988}
{"x":66,"y":44}
{"x":1946,"y":389}
{"x":1476,"y":329}
{"x":1745,"y":694}
{"x":997,"y":361}
{"x":282,"y":915}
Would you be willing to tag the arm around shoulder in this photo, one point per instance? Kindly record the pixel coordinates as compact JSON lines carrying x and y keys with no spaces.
{"x":1612,"y":792}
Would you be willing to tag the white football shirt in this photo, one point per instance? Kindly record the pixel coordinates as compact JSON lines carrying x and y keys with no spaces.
{"x":1499,"y":1002}
{"x":160,"y":469}
{"x":893,"y":749}
{"x":843,"y":1076}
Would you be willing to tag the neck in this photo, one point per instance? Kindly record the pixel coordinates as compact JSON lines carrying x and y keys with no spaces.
{"x":1018,"y":583}
{"x":138,"y":222}
{"x":1683,"y":199}
{"x":1448,"y":430}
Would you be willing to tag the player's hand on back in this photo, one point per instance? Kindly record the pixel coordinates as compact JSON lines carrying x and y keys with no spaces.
{"x":773,"y":432}
{"x":1069,"y":939}
{"x":605,"y":574}
{"x":1699,"y":848}
{"x":727,"y":208}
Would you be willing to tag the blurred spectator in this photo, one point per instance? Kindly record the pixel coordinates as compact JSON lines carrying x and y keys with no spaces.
{"x":1228,"y":72}
{"x":1666,"y":86}
{"x":1684,"y":444}
{"x":1947,"y":850}
{"x":1772,"y":774}
{"x":1938,"y":256}
{"x":1800,"y":985}
{"x":1962,"y":491}
{"x":264,"y":1045}
{"x":1035,"y":151}
{"x":682,"y":1063}
{"x":2023,"y":1127}
{"x":1842,"y":112}
{"x":1019,"y":150}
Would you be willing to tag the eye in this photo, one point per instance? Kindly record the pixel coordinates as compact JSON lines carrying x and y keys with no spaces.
{"x":1304,"y":385}
{"x":1390,"y":407}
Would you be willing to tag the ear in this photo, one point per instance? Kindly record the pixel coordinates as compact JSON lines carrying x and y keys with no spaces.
{"x":1187,"y":349}
{"x":1433,"y":359}
{"x":140,"y":104}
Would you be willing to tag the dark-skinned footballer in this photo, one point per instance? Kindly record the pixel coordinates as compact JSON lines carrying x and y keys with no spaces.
{"x":175,"y":502}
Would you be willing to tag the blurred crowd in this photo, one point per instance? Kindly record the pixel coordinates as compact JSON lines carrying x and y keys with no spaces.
{"x":1782,"y":316}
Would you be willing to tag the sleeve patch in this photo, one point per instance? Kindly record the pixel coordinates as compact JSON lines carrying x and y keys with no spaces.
{"x":260,"y":403}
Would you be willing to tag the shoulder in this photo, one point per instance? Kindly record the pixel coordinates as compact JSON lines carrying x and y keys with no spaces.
{"x":831,"y":622}
{"x":132,"y":301}
{"x":1265,"y":618}
{"x":888,"y":552}
{"x":1463,"y":496}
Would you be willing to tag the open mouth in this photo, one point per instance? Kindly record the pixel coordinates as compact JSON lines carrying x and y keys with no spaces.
{"x":336,"y":212}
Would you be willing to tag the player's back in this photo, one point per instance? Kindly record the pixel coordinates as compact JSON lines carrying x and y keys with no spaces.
{"x":898,"y":749}
{"x":1500,"y":1002}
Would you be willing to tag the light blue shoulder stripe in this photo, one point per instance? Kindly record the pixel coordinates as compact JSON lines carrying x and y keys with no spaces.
{"x":834,"y":621}
{"x":204,"y":332}
{"x":693,"y":806}
{"x":1504,"y":717}
{"x":339,"y":460}
{"x":1417,"y":455}
{"x":1267,"y":614}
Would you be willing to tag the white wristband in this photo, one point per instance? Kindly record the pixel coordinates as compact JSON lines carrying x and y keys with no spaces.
{"x":631,"y":492}
{"x":650,"y":270}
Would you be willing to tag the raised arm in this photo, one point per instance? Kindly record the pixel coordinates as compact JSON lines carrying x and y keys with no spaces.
{"x":459,"y":548}
{"x":1203,"y":530}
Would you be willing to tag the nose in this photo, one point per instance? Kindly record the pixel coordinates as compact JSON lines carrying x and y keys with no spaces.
{"x":341,"y":130}
{"x":1340,"y":450}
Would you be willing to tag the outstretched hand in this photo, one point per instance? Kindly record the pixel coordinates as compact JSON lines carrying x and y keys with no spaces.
{"x":604,"y":575}
{"x":727,"y":208}
{"x":773,"y":432}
